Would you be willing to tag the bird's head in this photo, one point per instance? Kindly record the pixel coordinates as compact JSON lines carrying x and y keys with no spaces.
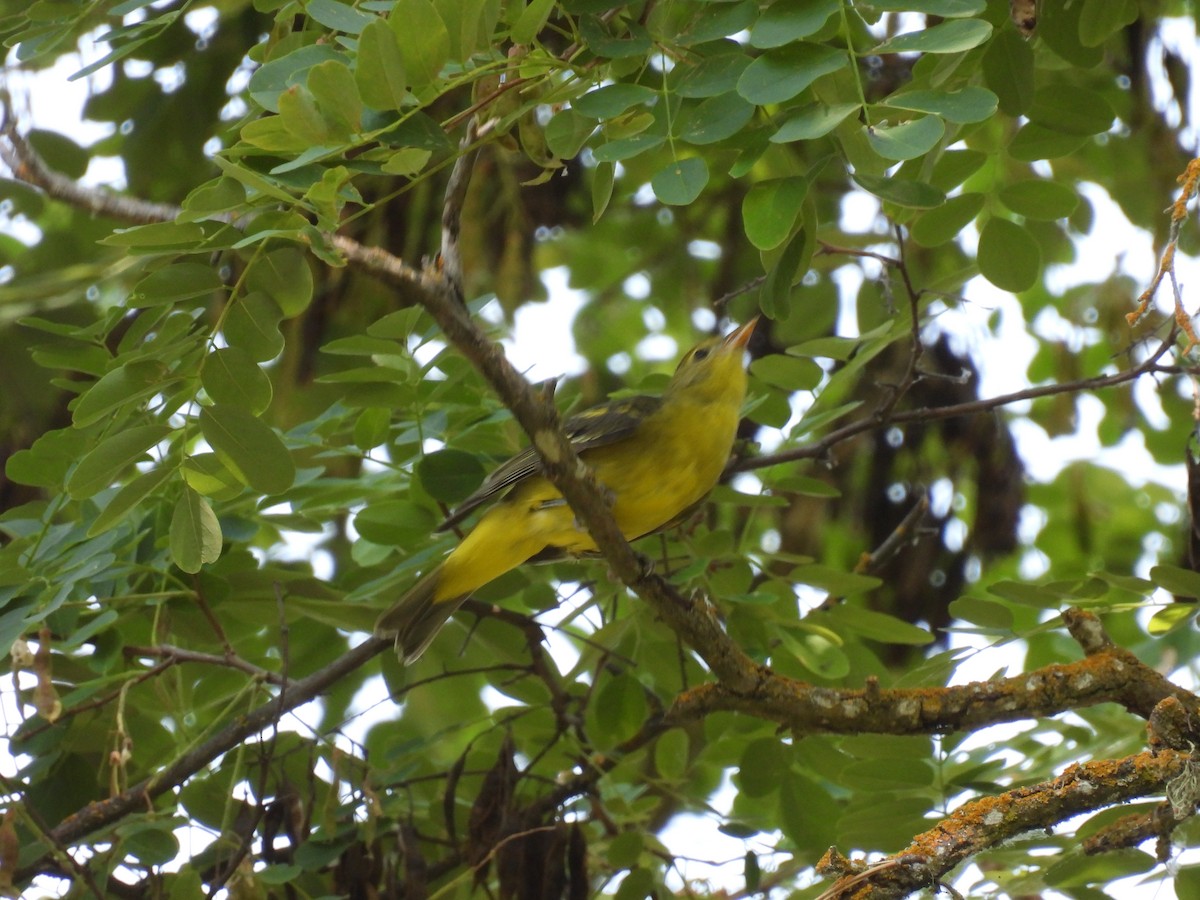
{"x":715,"y":368}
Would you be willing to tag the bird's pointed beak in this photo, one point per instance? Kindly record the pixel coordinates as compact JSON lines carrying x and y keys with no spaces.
{"x":741,"y":337}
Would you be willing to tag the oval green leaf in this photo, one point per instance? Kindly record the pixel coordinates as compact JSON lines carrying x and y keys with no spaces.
{"x":248,"y":447}
{"x":1042,"y":200}
{"x":716,"y":119}
{"x":901,"y":191}
{"x":450,"y":475}
{"x":253,"y":325}
{"x":1008,"y":256}
{"x":195,"y":537}
{"x":785,"y":21}
{"x":770,"y":210}
{"x":944,"y":223}
{"x":379,"y":68}
{"x":781,"y":74}
{"x":230,"y":376}
{"x":971,"y":104}
{"x":907,"y":140}
{"x":948,"y":37}
{"x":680,"y":182}
{"x":284,"y":276}
{"x":126,"y":386}
{"x":813,"y":121}
{"x":100,"y":467}
{"x":173,"y":283}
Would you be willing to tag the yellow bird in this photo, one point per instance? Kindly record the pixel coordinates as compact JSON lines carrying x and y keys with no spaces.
{"x":654,"y":456}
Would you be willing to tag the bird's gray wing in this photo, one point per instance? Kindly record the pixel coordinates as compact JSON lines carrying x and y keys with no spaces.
{"x":604,"y":424}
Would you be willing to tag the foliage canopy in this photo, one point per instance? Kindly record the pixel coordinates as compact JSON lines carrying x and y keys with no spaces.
{"x":239,"y":396}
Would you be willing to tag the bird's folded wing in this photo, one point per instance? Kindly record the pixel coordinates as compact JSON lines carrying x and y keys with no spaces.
{"x":604,"y":424}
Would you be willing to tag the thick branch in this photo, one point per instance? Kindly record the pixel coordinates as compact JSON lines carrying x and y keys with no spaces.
{"x":989,"y":821}
{"x":1107,"y":674}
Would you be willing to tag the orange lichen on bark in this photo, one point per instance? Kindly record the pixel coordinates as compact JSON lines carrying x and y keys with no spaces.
{"x":1189,"y":179}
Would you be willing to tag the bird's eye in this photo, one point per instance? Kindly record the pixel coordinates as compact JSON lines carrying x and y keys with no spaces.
{"x":700,"y":354}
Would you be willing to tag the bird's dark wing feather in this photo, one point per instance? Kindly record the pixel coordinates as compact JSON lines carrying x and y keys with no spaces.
{"x":604,"y":424}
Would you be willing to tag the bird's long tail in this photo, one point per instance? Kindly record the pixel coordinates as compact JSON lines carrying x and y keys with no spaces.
{"x":417,"y":617}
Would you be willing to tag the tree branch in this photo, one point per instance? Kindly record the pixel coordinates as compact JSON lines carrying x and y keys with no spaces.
{"x":105,"y":812}
{"x":989,"y":821}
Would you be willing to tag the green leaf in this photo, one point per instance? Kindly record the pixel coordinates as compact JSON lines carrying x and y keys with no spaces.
{"x":680,"y":182}
{"x":206,"y":473}
{"x":1008,"y":69}
{"x":424,"y":40}
{"x":603,"y":180}
{"x":407,"y":162}
{"x":120,"y":388}
{"x":718,"y":20}
{"x":285,"y":277}
{"x":945,"y":222}
{"x":127,"y":498}
{"x":395,"y":523}
{"x":781,"y":74}
{"x":877,"y":626}
{"x":1071,"y":109}
{"x":1059,"y":28}
{"x":302,"y":117}
{"x":712,"y":75}
{"x":816,"y":653}
{"x":1008,"y":256}
{"x":907,"y":140}
{"x":272,"y":133}
{"x":901,"y":191}
{"x":625,"y":849}
{"x":60,"y":152}
{"x":1038,"y":199}
{"x":450,"y":475}
{"x":791,"y":373}
{"x":338,"y":16}
{"x":195,"y":537}
{"x":971,"y":104}
{"x":956,"y":166}
{"x":567,"y":132}
{"x":613,"y":99}
{"x":253,"y":325}
{"x":1034,"y":142}
{"x":231,"y":377}
{"x":1025,"y":594}
{"x":1170,"y":618}
{"x":379,"y":68}
{"x":761,"y":767}
{"x":786,"y":21}
{"x":1101,"y":19}
{"x":985,"y":613}
{"x":531,"y":21}
{"x":770,"y":210}
{"x":954,"y":36}
{"x":100,"y":467}
{"x":671,"y":755}
{"x":174,"y":283}
{"x":618,"y":711}
{"x":775,"y":297}
{"x":157,"y":236}
{"x":274,"y":77}
{"x":813,"y":121}
{"x":1176,"y":580}
{"x":947,"y":9}
{"x":333,"y":86}
{"x":716,"y":119}
{"x":248,"y":447}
